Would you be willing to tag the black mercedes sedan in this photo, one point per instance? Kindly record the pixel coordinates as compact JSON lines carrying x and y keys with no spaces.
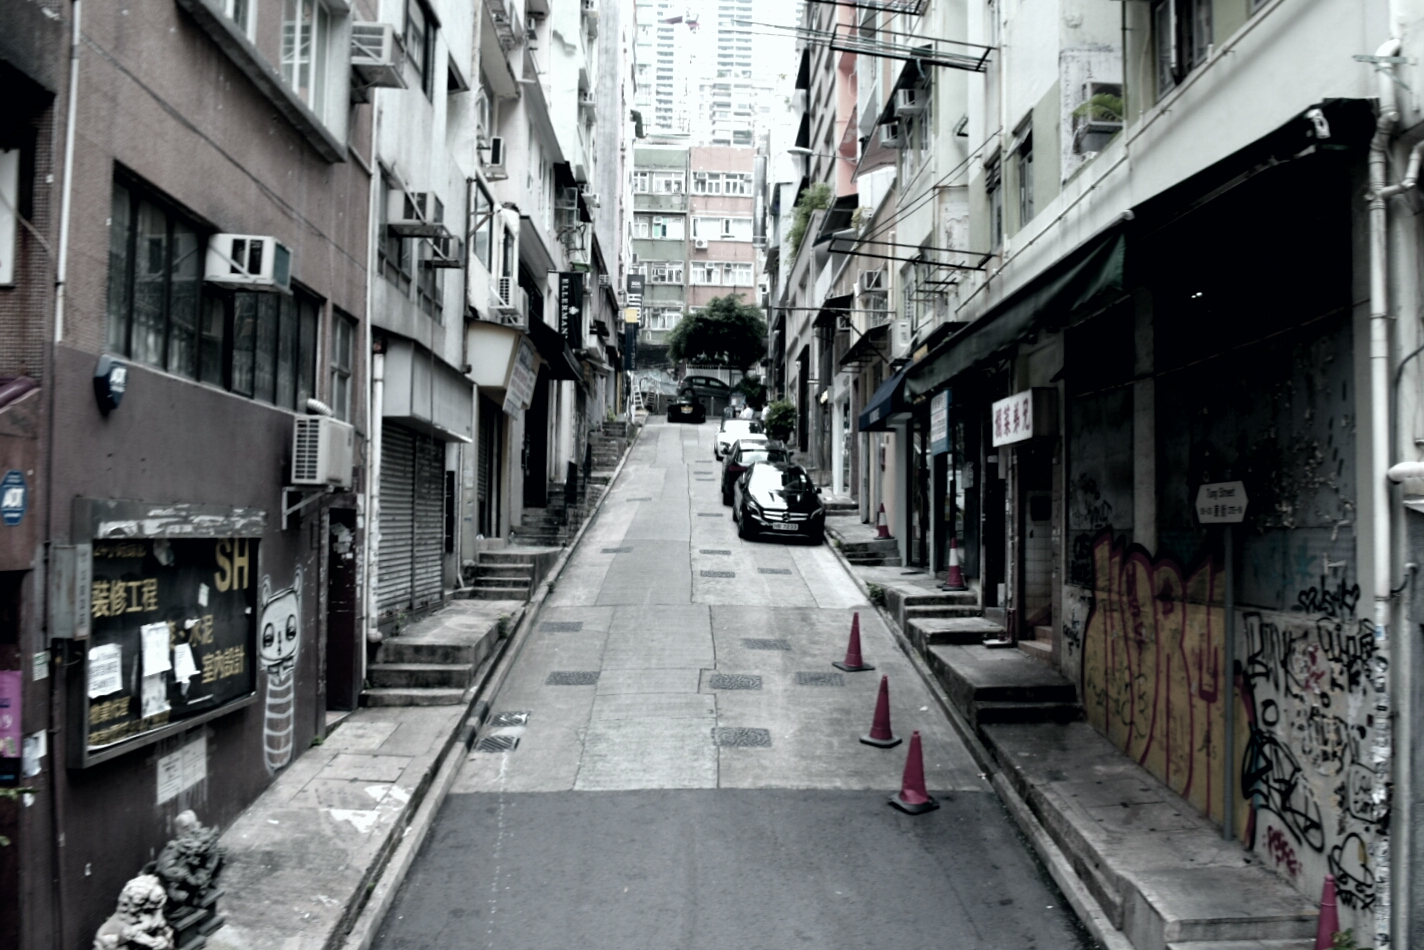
{"x":686,"y":409}
{"x":778,"y":498}
{"x":741,"y":455}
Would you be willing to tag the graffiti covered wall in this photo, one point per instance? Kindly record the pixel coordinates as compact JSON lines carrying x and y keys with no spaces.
{"x":1308,"y":685}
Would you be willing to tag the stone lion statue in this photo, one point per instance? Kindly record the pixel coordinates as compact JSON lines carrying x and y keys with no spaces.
{"x":137,"y":923}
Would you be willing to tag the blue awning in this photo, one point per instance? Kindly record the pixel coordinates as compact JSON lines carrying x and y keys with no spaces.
{"x":888,"y":401}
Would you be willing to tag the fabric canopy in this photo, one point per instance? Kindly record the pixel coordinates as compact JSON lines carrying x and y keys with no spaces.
{"x":869,"y":347}
{"x":1050,"y":300}
{"x":888,"y":400}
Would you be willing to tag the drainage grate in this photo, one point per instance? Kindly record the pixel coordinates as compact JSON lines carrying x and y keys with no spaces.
{"x":773,"y":570}
{"x":572,"y":678}
{"x":497,"y":744}
{"x":714,"y":551}
{"x":709,"y":514}
{"x":646,"y":498}
{"x":617,"y":550}
{"x":819,"y":679}
{"x":719,"y":573}
{"x":740,"y":737}
{"x":754,"y":643}
{"x":733,"y":681}
{"x":707,"y":479}
{"x":509,"y":719}
{"x":561,"y":626}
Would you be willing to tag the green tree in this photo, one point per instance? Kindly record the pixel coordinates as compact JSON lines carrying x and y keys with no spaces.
{"x":726,"y":332}
{"x":781,"y":419}
{"x":816,"y":198}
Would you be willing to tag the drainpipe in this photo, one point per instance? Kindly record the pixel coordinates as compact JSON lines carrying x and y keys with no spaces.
{"x":62,"y":265}
{"x":1382,"y":758}
{"x":373,"y":511}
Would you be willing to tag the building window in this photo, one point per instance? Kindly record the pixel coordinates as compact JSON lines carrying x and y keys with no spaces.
{"x":1181,"y":35}
{"x":420,"y":45}
{"x":343,"y":347}
{"x":482,"y":227}
{"x":239,"y":12}
{"x":722,"y":229}
{"x":994,"y":190}
{"x":664,"y":272}
{"x":306,"y":34}
{"x":155,"y":283}
{"x":664,"y":318}
{"x":1025,"y":174}
{"x":670,"y":227}
{"x":393,"y":252}
{"x":274,"y":347}
{"x":642,"y":183}
{"x":667,"y":183}
{"x":429,"y":293}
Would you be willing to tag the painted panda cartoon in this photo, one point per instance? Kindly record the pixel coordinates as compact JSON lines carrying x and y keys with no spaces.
{"x":279,"y":636}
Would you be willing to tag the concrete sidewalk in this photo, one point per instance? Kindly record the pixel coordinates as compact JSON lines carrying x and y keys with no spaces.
{"x":316,"y":860}
{"x":302,"y":858}
{"x":1143,"y":869}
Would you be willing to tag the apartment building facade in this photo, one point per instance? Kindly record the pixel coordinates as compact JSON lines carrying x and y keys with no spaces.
{"x":1068,"y":359}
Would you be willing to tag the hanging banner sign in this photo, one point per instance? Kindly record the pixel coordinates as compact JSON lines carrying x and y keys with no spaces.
{"x":634,"y":312}
{"x":571,"y":308}
{"x":1030,"y":414}
{"x":939,"y":423}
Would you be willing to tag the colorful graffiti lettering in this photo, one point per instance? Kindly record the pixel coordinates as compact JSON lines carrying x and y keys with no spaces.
{"x":1281,"y":852}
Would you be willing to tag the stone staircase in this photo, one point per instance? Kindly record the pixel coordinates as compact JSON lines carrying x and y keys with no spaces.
{"x":554,"y":524}
{"x":433,"y":662}
{"x":507,"y":574}
{"x":987,"y":684}
{"x":858,"y":542}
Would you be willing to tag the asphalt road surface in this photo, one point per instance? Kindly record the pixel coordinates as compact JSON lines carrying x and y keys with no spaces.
{"x":648,"y":804}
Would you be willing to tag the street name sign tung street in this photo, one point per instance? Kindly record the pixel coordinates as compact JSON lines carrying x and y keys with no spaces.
{"x":1221,"y":503}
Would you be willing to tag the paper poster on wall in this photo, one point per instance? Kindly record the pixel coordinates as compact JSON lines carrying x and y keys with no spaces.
{"x":106,"y":669}
{"x":155,"y":695}
{"x":155,"y":638}
{"x":10,"y":714}
{"x":184,"y":668}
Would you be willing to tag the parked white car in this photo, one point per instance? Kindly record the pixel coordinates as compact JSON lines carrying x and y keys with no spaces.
{"x":730,"y":431}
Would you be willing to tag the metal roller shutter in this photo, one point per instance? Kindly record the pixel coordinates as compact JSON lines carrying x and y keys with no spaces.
{"x":429,"y":520}
{"x":394,"y":560}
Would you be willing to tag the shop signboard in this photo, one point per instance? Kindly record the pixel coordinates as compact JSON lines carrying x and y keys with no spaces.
{"x":172,"y":635}
{"x":1030,"y":414}
{"x":571,"y":307}
{"x":939,"y":423}
{"x":634,"y":311}
{"x":522,"y":376}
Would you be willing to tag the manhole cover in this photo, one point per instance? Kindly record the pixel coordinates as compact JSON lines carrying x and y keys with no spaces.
{"x":756,"y":643}
{"x":714,"y":551}
{"x":497,"y":744}
{"x":616,"y":550}
{"x":709,"y":514}
{"x":773,"y":570}
{"x":740,"y":737}
{"x":509,"y":719}
{"x":561,"y":626}
{"x":819,"y":679}
{"x":719,"y":573}
{"x":733,"y":681}
{"x":572,"y":678}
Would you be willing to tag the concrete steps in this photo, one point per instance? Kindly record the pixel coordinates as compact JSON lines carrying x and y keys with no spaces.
{"x":393,"y":696}
{"x":999,"y":685}
{"x":1302,"y":944}
{"x":420,"y":675}
{"x":943,"y":631}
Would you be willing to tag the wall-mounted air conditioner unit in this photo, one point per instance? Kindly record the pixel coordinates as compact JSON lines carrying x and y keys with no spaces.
{"x":890,"y":135}
{"x":591,"y":199}
{"x":415,"y":214}
{"x":447,"y":251}
{"x":504,"y":290}
{"x":566,"y":199}
{"x":323,"y":451}
{"x":910,"y":101}
{"x":700,"y":243}
{"x":901,"y":338}
{"x":248,"y":262}
{"x":590,"y":7}
{"x":376,"y":55}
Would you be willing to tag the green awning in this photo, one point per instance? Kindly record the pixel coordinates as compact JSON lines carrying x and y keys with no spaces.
{"x":1050,"y":301}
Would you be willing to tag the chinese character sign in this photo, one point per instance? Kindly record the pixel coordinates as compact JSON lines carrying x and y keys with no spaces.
{"x":1013,"y":419}
{"x":172,"y":632}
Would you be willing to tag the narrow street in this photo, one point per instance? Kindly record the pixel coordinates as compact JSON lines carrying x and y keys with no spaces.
{"x":688,"y":772}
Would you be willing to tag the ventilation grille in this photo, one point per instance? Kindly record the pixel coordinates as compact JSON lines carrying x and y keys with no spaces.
{"x":306,"y":451}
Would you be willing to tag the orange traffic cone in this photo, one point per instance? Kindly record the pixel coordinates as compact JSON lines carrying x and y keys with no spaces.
{"x":913,"y":798}
{"x":954,"y":577}
{"x":882,"y":527}
{"x":853,"y":662}
{"x":1329,"y":921}
{"x":880,"y":734}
